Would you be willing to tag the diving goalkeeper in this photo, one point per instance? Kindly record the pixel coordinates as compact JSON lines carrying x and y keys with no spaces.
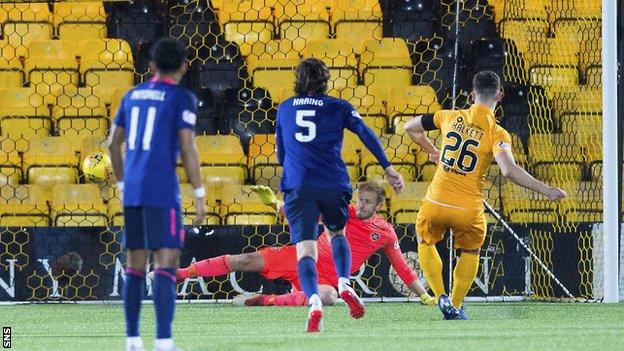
{"x":366,"y":233}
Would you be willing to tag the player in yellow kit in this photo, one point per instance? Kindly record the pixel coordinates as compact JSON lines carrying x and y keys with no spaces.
{"x":471,"y":138}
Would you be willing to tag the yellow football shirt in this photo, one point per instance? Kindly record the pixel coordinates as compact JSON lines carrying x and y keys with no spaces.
{"x":470,"y":138}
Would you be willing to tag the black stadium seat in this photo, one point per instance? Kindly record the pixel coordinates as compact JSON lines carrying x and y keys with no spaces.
{"x":409,"y":19}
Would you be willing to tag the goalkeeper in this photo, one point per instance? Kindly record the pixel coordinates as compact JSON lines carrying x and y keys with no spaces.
{"x":366,"y":232}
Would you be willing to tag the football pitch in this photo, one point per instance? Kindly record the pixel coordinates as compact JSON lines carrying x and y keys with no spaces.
{"x":386,"y":326}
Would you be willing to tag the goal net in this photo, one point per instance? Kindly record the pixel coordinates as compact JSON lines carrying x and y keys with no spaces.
{"x":66,"y":65}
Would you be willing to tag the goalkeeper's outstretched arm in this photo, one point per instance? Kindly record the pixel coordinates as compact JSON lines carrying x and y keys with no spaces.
{"x":267,"y":196}
{"x":516,"y":174}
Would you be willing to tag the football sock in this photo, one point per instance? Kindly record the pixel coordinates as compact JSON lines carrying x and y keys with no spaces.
{"x":297,"y":298}
{"x":164,"y":290}
{"x":431,"y":264}
{"x":342,"y":255}
{"x":463,"y":276}
{"x":133,"y":294}
{"x":306,"y":269}
{"x":211,"y":267}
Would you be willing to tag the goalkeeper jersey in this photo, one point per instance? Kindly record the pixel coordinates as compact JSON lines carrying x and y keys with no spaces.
{"x":152,"y":113}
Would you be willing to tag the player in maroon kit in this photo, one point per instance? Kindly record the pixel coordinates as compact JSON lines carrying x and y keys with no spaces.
{"x":366,"y":231}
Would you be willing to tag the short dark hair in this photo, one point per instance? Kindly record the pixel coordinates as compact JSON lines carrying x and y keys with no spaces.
{"x":374,"y":188}
{"x":486,"y":84}
{"x":311,"y":76}
{"x":168,"y":54}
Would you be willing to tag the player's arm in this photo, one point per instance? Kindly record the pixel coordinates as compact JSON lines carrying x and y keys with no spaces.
{"x":190,"y":161}
{"x":115,"y":142}
{"x":518,"y":175}
{"x":405,"y":272}
{"x":370,"y":140}
{"x":279,"y":143}
{"x":416,"y":128}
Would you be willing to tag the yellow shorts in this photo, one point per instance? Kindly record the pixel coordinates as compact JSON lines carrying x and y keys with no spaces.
{"x":468,"y":224}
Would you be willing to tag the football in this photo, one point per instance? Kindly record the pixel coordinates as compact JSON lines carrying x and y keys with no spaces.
{"x":97,"y":167}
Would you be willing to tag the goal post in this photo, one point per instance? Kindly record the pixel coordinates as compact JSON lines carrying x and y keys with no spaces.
{"x":611,"y":151}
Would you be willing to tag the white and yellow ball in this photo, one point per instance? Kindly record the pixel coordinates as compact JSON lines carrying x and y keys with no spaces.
{"x":97,"y":167}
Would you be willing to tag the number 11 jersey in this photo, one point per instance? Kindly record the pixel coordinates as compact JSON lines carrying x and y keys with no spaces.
{"x":151,"y":114}
{"x":309,"y":134}
{"x":470,"y":138}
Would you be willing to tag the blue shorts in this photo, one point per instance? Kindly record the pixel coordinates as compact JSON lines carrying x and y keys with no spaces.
{"x":303,"y":206}
{"x":153,"y":228}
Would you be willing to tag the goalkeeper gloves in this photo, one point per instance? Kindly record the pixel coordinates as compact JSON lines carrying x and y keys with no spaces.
{"x":427,"y":300}
{"x":267,"y":196}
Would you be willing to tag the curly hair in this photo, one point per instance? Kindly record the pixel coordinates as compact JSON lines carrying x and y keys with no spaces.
{"x":311,"y":76}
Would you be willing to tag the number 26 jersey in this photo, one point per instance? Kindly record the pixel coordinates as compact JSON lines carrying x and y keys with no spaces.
{"x":469,"y":140}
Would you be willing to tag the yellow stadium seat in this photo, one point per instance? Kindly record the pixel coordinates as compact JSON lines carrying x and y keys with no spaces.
{"x":576,"y":9}
{"x":19,"y":35}
{"x":10,"y":151}
{"x":240,"y":205}
{"x":365,"y":99}
{"x":583,"y":100}
{"x":301,"y":21}
{"x":355,"y":9}
{"x":11,"y":74}
{"x":104,"y":54}
{"x":595,"y":170}
{"x":78,"y":205}
{"x":115,"y":213}
{"x":517,"y":9}
{"x":262,"y":160}
{"x":48,"y":176}
{"x":220,"y":150}
{"x":82,"y":31}
{"x":405,"y":206}
{"x":523,"y":31}
{"x":386,"y":52}
{"x":399,"y":152}
{"x":551,"y":51}
{"x":7,"y":51}
{"x":23,"y":205}
{"x":189,"y":211}
{"x":245,"y":34}
{"x":87,"y":11}
{"x":355,"y":32}
{"x":24,"y":12}
{"x":42,"y":51}
{"x":334,"y":51}
{"x":10,"y":174}
{"x":246,"y":10}
{"x":517,"y":148}
{"x":50,"y":151}
{"x":554,"y":147}
{"x":584,"y":201}
{"x":378,"y":123}
{"x":351,"y":148}
{"x":576,"y":29}
{"x":26,"y":126}
{"x":587,"y":130}
{"x":555,"y":78}
{"x":223,"y":174}
{"x":524,"y":206}
{"x":275,"y":82}
{"x":591,"y":52}
{"x":109,"y":79}
{"x":558,"y":171}
{"x":405,"y":102}
{"x":386,"y":78}
{"x":593,"y":76}
{"x":263,"y":54}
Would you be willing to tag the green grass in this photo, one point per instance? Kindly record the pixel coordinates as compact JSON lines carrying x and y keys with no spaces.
{"x":396,"y":326}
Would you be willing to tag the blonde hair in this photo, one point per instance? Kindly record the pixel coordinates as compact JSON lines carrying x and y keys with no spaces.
{"x":374,"y":188}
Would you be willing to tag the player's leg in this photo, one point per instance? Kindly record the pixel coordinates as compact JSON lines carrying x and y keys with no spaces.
{"x":302,"y":213}
{"x":134,"y":285}
{"x":428,"y":234}
{"x":469,"y":238}
{"x":327,"y":294}
{"x":165,"y":238}
{"x":334,"y":209}
{"x":216,"y":266}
